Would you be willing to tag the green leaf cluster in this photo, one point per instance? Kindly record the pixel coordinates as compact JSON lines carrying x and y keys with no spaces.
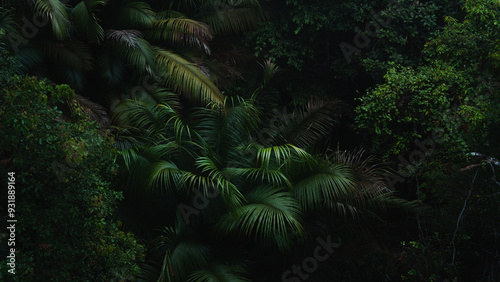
{"x":64,"y":166}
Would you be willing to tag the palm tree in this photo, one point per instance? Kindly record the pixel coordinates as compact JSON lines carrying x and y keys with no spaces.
{"x":228,"y":197}
{"x":116,"y":47}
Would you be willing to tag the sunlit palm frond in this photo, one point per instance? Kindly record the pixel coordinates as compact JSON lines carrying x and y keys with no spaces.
{"x":55,"y":10}
{"x":183,"y":76}
{"x":181,"y":30}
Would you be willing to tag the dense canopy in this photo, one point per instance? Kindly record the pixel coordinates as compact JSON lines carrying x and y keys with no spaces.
{"x":249,"y":140}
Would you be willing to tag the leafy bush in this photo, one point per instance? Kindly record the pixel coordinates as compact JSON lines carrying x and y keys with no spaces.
{"x":63,"y":166}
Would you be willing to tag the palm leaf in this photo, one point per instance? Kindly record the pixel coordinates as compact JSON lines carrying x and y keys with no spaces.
{"x":30,"y":57}
{"x":164,"y":175}
{"x":111,"y":68}
{"x":277,"y":156}
{"x":313,"y":124}
{"x":131,"y":48}
{"x":219,"y":273}
{"x":183,"y":255}
{"x":134,"y":14}
{"x":85,"y":20}
{"x":187,"y":78}
{"x":181,"y":30}
{"x":270,"y":214}
{"x":215,"y":180}
{"x":226,"y":130}
{"x":230,"y":19}
{"x":148,"y":117}
{"x":55,"y":10}
{"x":70,"y":54}
{"x":326,"y":183}
{"x":134,"y":169}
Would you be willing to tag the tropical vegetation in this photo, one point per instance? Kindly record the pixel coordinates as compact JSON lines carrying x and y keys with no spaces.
{"x":250,"y":140}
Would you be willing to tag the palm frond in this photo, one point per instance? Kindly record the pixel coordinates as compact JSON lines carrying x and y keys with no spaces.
{"x":85,"y":20}
{"x":134,"y":14}
{"x":368,"y":174}
{"x":187,"y":78}
{"x":219,"y":273}
{"x":133,"y":169}
{"x":277,"y":156}
{"x":111,"y":68}
{"x":214,"y":180}
{"x":55,"y":10}
{"x":261,"y":175}
{"x":326,"y":183}
{"x":148,"y":117}
{"x":70,"y":54}
{"x":181,"y":30}
{"x":226,"y":130}
{"x":30,"y":58}
{"x":130,"y":37}
{"x":230,"y":19}
{"x":314,"y":123}
{"x":269,"y":214}
{"x":168,"y":14}
{"x":389,"y":200}
{"x":73,"y":78}
{"x":132,"y":49}
{"x":269,"y":69}
{"x":164,"y":175}
{"x":182,"y":256}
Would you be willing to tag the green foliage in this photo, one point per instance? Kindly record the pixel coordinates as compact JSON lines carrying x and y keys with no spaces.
{"x":446,"y":111}
{"x":8,"y":62}
{"x":428,"y":265}
{"x":223,"y":178}
{"x":430,"y":101}
{"x":120,"y":45}
{"x":277,"y":42}
{"x":404,"y":28}
{"x":64,"y":204}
